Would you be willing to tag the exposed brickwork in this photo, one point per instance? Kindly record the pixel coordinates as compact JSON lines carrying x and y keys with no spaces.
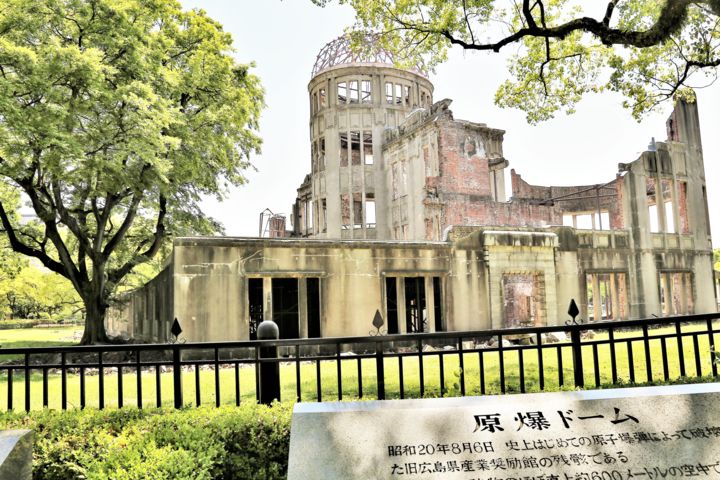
{"x":617,"y":215}
{"x":513,"y":214}
{"x":463,"y":160}
{"x":682,"y":207}
{"x":673,"y":132}
{"x":574,"y":199}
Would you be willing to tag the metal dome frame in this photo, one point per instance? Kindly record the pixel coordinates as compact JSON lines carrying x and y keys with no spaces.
{"x":340,"y":52}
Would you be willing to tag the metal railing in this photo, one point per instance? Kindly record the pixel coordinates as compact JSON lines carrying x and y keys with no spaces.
{"x":381,"y":367}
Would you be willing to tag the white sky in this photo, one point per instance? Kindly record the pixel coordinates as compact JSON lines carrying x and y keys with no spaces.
{"x":283,"y":39}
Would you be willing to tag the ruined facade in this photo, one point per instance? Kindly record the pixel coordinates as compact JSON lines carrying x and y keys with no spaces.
{"x":405,"y":211}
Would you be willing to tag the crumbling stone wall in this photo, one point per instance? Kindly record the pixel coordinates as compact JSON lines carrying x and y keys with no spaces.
{"x":571,"y":199}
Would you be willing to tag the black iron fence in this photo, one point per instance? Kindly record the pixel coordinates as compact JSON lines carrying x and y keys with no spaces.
{"x":382,"y":367}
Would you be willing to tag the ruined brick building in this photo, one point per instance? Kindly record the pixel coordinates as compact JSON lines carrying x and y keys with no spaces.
{"x":405,"y":212}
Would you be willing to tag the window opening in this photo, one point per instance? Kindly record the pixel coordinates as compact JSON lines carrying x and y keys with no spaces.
{"x":366,"y":91}
{"x":604,"y":221}
{"x":308,"y":216}
{"x":682,"y":207}
{"x":437,"y":297}
{"x":652,"y":205}
{"x":322,"y":98}
{"x":587,"y":221}
{"x":313,"y":307}
{"x":676,"y":296}
{"x":342,"y":92}
{"x":255,"y":305}
{"x":389,"y":92}
{"x":521,"y":300}
{"x":324,"y":215}
{"x":357,"y":211}
{"x":406,"y":97}
{"x":606,"y":296}
{"x":584,"y":221}
{"x":355,"y":147}
{"x":398,"y":94}
{"x":669,"y":220}
{"x":370,"y":211}
{"x":668,"y":204}
{"x":391,"y":305}
{"x":285,"y":306}
{"x":415,"y":305}
{"x":354,"y":93}
{"x":367,"y":148}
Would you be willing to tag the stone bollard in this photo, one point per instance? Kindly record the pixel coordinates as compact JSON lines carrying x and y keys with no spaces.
{"x":269,"y":378}
{"x":16,"y":454}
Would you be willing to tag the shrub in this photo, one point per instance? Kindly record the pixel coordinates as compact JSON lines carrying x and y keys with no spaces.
{"x":250,"y":441}
{"x":13,"y":324}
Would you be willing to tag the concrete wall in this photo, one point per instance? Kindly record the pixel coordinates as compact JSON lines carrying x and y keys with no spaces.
{"x":145,"y":314}
{"x":212,"y":277}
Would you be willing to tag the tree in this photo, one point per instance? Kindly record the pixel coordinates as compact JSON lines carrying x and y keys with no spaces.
{"x":716,"y":259}
{"x":11,"y":262}
{"x":34,"y":293}
{"x":648,"y":50}
{"x":115,"y":117}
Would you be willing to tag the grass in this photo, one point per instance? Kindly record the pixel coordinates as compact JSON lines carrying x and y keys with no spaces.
{"x":554,"y":377}
{"x":39,"y":337}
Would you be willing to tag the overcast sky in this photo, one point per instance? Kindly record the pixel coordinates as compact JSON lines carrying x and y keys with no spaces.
{"x":283,"y":38}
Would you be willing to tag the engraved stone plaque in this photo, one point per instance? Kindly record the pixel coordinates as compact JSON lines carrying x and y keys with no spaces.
{"x":621,"y":434}
{"x":16,"y":454}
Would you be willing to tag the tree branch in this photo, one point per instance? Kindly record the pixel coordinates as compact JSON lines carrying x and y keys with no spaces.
{"x":670,"y":20}
{"x":20,"y":247}
{"x":125,"y":226}
{"x":608,"y":13}
{"x":115,"y":275}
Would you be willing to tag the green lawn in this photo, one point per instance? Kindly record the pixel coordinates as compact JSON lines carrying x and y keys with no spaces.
{"x":411,"y":379}
{"x":39,"y":337}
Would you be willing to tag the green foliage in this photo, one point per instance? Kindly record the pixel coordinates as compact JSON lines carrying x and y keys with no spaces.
{"x":18,"y":324}
{"x":454,"y":390}
{"x":10,"y":262}
{"x":244,"y":442}
{"x":115,"y":117}
{"x":37,"y":294}
{"x":649,"y":51}
{"x":716,"y":259}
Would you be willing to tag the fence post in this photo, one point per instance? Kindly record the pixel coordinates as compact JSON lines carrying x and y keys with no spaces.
{"x":577,"y":357}
{"x":380,"y":370}
{"x":269,"y":384}
{"x":177,"y":377}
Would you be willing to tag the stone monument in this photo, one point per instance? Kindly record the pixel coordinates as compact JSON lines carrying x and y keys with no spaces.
{"x":621,"y":434}
{"x":16,"y":454}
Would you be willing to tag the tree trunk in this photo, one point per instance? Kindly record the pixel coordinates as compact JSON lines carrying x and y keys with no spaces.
{"x":95,"y":310}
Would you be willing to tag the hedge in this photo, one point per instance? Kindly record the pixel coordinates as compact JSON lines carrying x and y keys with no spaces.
{"x":250,"y":441}
{"x":14,"y":324}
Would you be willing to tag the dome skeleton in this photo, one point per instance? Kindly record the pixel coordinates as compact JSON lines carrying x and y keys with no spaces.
{"x":340,"y":52}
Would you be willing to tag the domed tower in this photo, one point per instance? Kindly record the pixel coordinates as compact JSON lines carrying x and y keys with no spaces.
{"x":354,"y":98}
